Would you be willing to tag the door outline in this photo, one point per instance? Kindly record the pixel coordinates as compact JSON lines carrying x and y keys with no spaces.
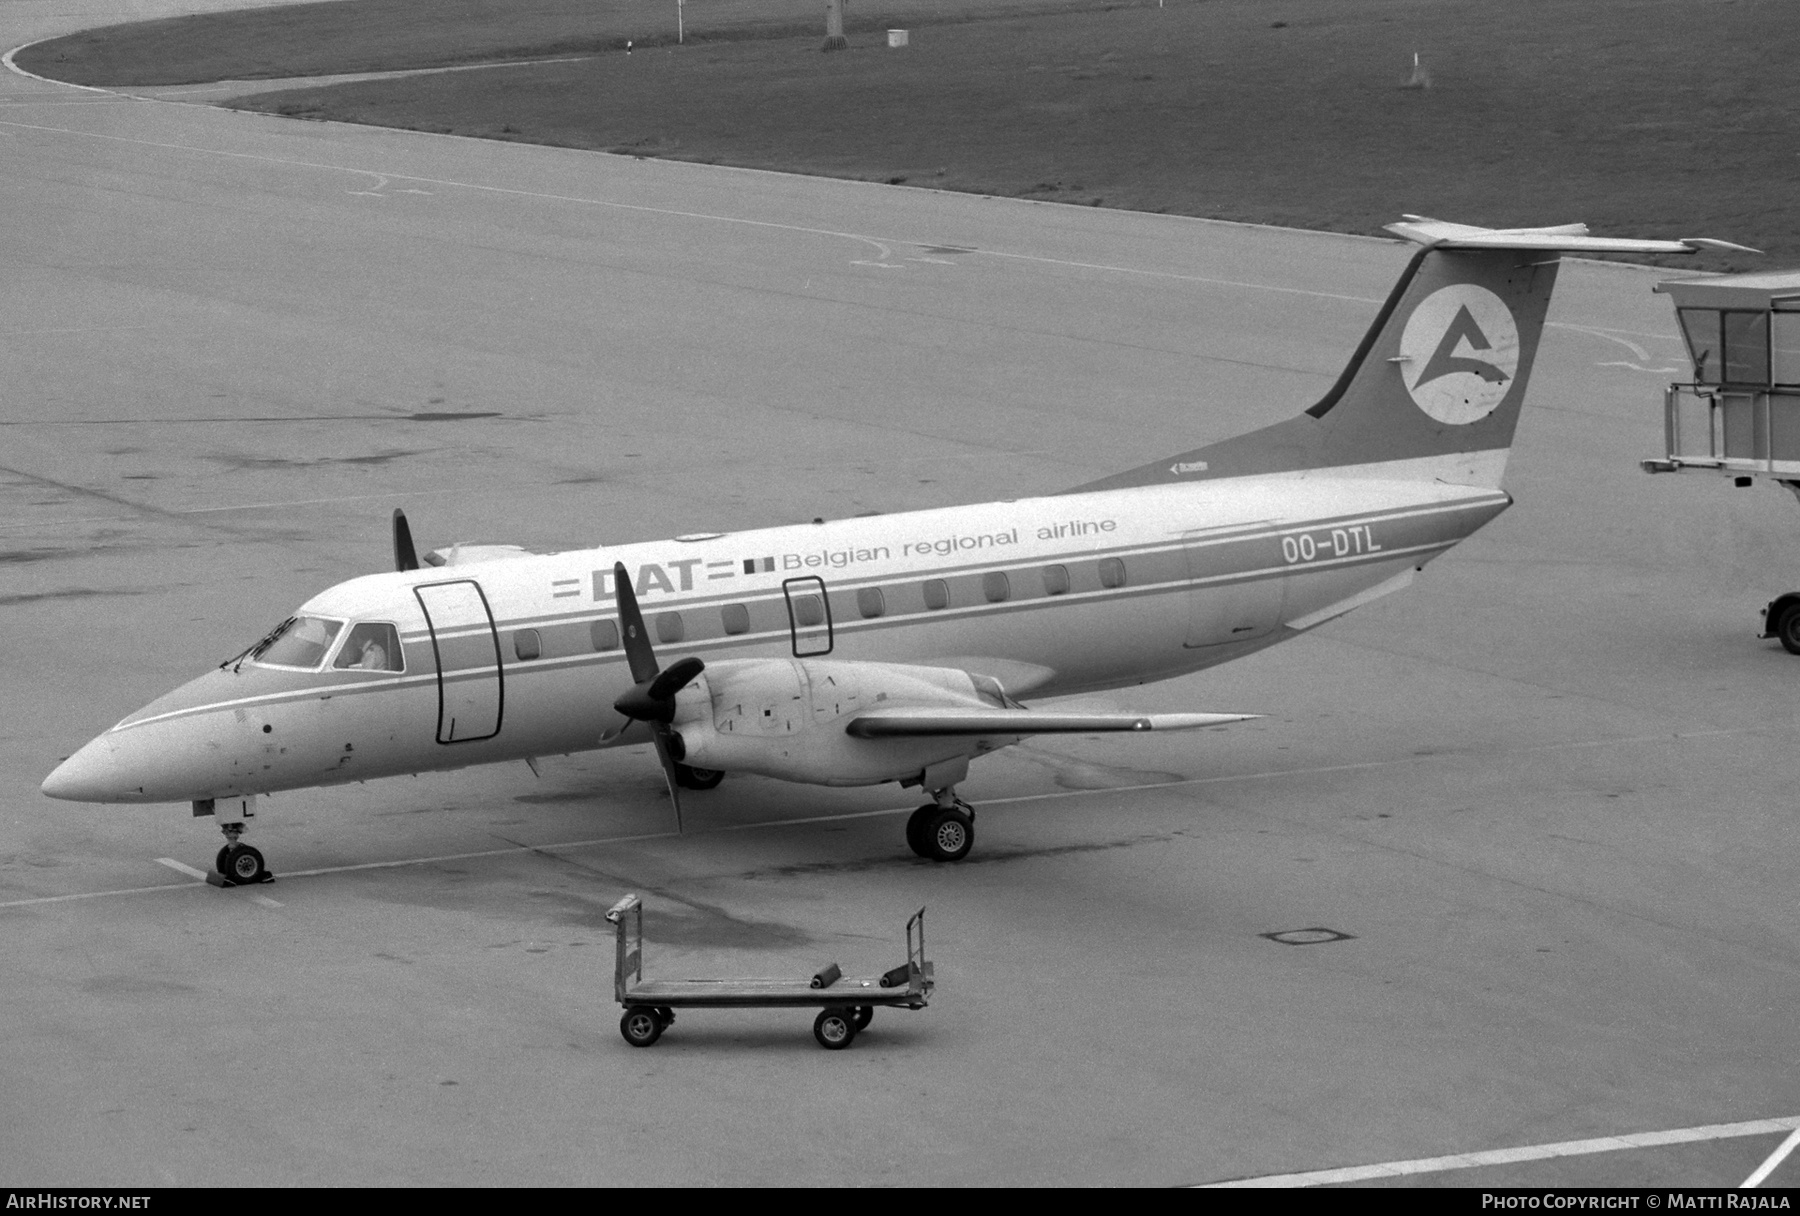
{"x":1251,"y":597}
{"x":808,"y":585}
{"x":499,"y":669}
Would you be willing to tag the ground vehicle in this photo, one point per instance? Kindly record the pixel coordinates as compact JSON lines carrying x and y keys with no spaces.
{"x":846,"y":1003}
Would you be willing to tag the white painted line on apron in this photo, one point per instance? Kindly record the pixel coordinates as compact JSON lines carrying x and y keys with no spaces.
{"x":1775,"y":1159}
{"x":1536,"y":1152}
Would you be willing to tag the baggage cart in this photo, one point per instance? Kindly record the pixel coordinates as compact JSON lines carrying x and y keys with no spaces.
{"x":846,"y":1003}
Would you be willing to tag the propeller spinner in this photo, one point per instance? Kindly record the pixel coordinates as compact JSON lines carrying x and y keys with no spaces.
{"x":652,"y":699}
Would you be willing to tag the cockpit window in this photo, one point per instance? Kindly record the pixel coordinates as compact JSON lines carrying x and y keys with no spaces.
{"x":301,"y":642}
{"x":371,"y":646}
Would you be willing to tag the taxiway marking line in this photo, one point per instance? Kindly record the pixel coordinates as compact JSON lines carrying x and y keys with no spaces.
{"x":366,"y":865}
{"x":425,"y":861}
{"x":313,"y":502}
{"x":1775,"y":1159}
{"x":1529,"y":1152}
{"x":265,"y":901}
{"x":63,"y":899}
{"x":247,"y":506}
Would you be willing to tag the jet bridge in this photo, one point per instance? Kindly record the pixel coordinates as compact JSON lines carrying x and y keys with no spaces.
{"x":1739,"y":416}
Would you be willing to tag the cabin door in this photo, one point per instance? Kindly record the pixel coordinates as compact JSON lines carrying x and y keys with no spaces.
{"x":809,"y":616}
{"x":470,"y":693}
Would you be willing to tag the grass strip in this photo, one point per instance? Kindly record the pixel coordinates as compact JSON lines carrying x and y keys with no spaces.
{"x":1642,"y":117}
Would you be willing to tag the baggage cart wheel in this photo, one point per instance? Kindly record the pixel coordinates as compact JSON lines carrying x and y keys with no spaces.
{"x":835,"y":1029}
{"x":948,"y":834}
{"x":864,"y":1014}
{"x":665,"y":1015}
{"x":915,"y":829}
{"x":641,"y":1027}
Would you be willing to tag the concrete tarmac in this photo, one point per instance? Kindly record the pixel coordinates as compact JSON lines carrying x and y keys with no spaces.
{"x":1546,"y":791}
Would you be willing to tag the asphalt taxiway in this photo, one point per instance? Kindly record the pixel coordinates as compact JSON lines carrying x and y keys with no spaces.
{"x":1545,"y":794}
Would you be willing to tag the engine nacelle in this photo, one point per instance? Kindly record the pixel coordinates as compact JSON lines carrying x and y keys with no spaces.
{"x":785,"y":718}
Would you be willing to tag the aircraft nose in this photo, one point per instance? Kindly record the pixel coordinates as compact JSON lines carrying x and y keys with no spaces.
{"x":90,"y":775}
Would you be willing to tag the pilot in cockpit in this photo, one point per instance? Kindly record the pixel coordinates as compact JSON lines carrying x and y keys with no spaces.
{"x":371,"y":646}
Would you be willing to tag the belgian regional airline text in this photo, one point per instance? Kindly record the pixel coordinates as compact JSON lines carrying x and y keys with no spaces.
{"x":681,"y":575}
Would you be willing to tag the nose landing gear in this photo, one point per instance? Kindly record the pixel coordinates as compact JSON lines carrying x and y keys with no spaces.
{"x":238,"y":864}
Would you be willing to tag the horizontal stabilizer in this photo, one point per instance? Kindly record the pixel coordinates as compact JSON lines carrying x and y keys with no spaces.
{"x":926,"y":722}
{"x":1563,"y":238}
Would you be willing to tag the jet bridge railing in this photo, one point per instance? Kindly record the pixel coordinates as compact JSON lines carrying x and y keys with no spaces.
{"x":1747,"y":431}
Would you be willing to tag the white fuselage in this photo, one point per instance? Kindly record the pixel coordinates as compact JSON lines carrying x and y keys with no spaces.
{"x":520,"y":657}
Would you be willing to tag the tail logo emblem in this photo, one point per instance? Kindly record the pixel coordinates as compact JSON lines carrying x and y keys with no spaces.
{"x":1458,"y":353}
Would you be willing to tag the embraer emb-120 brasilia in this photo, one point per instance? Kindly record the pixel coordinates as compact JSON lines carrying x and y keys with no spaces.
{"x":891,"y":648}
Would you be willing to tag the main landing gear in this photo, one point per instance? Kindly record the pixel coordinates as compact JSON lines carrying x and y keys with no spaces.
{"x":238,"y":864}
{"x":943,"y":830}
{"x":690,"y":778}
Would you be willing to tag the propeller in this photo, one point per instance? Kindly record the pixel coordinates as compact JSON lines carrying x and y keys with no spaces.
{"x":405,"y":556}
{"x":652,"y":699}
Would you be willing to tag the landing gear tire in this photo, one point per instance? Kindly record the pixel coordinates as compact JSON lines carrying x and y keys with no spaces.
{"x":835,"y":1029}
{"x":241,"y":863}
{"x":641,"y":1026}
{"x":223,"y":859}
{"x":915,"y":828}
{"x":863,"y":1015}
{"x":947,"y":834}
{"x":1787,"y":628}
{"x":690,"y":778}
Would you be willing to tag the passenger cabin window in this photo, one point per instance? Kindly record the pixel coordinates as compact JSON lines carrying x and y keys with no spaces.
{"x":1056,"y":580}
{"x":1112,"y":572}
{"x":527,"y":645}
{"x":996,"y":587}
{"x":735,"y":618}
{"x":871,"y":603}
{"x":302,"y":642}
{"x":937,"y":593}
{"x":809,"y":610}
{"x":669,"y":627}
{"x":605,"y":634}
{"x":371,"y":646}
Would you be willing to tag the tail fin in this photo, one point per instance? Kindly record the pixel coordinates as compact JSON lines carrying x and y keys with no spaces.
{"x":1438,"y":380}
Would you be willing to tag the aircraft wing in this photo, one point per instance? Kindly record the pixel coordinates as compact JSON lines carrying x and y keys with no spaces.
{"x":916,"y":721}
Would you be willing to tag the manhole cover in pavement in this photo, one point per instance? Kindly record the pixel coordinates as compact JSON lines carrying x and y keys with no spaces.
{"x":1307,"y":937}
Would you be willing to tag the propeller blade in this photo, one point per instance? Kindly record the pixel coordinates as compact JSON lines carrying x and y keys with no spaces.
{"x":679,"y":675}
{"x":660,"y":733}
{"x":654,"y":700}
{"x":405,"y":556}
{"x":631,"y":623}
